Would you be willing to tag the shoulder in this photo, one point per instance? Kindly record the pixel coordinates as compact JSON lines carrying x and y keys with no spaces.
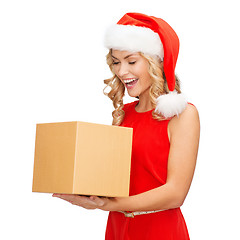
{"x":187,"y":122}
{"x":190,"y":114}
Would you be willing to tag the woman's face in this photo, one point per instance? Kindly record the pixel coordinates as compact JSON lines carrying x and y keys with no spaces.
{"x":132,"y":69}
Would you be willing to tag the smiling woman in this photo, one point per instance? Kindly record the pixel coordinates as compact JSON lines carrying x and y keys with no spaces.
{"x":142,"y":56}
{"x":153,"y":67}
{"x":132,"y":70}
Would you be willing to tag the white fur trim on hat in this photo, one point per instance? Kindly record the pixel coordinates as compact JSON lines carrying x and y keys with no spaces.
{"x":134,"y":39}
{"x":170,"y":104}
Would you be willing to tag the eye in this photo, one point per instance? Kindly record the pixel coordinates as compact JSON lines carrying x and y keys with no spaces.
{"x":132,"y":62}
{"x":115,"y":63}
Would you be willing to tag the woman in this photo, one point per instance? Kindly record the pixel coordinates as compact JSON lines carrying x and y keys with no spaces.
{"x":143,"y":55}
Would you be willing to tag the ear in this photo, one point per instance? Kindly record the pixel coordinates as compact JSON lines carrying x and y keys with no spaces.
{"x":161,"y":64}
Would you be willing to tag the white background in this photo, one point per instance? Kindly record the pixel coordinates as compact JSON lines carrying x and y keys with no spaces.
{"x":52,"y":66}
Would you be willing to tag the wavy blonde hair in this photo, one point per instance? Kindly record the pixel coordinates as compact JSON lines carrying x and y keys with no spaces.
{"x":159,"y":86}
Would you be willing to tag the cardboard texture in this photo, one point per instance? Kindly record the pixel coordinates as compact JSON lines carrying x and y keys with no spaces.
{"x":82,"y":158}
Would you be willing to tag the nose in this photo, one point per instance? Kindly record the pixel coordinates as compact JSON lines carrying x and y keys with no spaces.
{"x":123,"y":70}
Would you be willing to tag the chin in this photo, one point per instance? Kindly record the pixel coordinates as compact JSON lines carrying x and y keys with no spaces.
{"x":132,"y":94}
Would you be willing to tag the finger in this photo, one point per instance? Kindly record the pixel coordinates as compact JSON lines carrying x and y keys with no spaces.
{"x":78,"y":200}
{"x":66,"y":197}
{"x":98,"y":201}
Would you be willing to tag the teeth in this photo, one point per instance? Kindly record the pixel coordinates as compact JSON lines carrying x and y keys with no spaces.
{"x":130,"y":80}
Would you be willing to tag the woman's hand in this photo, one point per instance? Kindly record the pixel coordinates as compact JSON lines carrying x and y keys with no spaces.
{"x":92,"y":202}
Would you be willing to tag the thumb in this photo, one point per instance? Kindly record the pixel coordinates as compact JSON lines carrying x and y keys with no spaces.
{"x":97,"y":200}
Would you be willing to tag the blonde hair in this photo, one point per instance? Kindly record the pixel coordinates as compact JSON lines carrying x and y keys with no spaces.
{"x":158,"y":87}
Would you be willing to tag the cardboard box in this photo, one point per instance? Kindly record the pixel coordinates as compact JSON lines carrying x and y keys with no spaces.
{"x":82,"y":158}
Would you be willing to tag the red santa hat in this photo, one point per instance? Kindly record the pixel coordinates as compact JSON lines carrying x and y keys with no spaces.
{"x":136,"y":32}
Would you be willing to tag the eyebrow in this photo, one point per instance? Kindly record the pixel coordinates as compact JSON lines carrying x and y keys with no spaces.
{"x":124,"y":57}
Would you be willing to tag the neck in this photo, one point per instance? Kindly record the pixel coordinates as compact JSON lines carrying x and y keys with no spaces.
{"x":144,"y":103}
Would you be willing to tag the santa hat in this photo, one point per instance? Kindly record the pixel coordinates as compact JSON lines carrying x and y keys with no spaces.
{"x":136,"y":32}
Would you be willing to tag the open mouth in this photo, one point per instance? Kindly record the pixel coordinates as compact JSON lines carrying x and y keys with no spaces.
{"x":130,"y":82}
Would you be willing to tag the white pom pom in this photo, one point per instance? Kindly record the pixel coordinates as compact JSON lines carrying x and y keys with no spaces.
{"x":170,"y":104}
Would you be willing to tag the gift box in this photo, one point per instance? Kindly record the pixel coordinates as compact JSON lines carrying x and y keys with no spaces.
{"x":82,"y":158}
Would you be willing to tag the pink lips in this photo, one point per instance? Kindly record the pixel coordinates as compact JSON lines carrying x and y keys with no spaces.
{"x":131,"y":84}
